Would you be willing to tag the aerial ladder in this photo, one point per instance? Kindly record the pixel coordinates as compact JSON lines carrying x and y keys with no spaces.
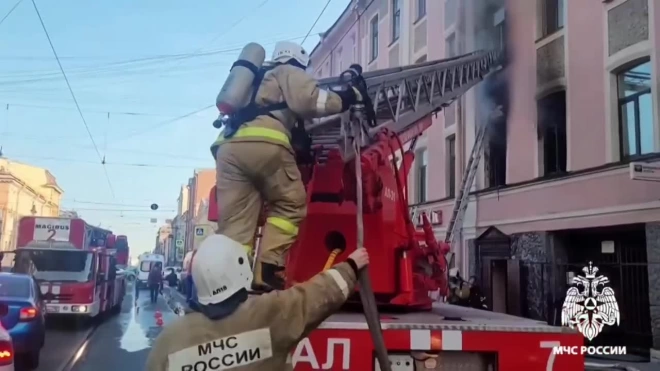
{"x":355,"y":170}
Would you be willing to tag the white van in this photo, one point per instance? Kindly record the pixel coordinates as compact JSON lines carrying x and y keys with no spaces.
{"x":145,"y":263}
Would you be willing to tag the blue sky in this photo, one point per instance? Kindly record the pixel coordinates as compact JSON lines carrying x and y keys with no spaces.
{"x":145,"y":63}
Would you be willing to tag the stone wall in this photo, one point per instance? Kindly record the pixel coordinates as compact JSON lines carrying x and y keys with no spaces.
{"x":532,"y":250}
{"x":653,"y":258}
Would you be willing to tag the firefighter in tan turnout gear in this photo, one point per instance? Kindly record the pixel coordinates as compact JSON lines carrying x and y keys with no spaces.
{"x":229,"y":329}
{"x":254,"y":154}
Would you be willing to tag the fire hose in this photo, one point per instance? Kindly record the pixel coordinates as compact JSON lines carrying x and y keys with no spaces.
{"x":359,"y":113}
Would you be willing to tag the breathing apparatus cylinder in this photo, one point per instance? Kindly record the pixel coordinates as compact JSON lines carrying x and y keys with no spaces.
{"x":236,"y":91}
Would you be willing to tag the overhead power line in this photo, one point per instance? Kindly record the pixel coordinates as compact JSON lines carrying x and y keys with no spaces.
{"x":144,"y":204}
{"x":10,"y":11}
{"x":122,"y":210}
{"x":316,"y":21}
{"x":123,"y":113}
{"x":73,"y":95}
{"x":225,"y":30}
{"x":165,"y":123}
{"x":110,"y":163}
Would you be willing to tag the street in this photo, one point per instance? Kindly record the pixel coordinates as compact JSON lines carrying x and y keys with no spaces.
{"x":117,"y":343}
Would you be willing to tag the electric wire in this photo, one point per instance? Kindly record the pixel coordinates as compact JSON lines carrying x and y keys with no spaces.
{"x":144,"y":204}
{"x":135,"y":65}
{"x":73,"y":95}
{"x":109,"y":163}
{"x":165,"y":123}
{"x":111,"y":112}
{"x":349,"y":29}
{"x":224,"y":31}
{"x":127,"y":73}
{"x":123,"y":210}
{"x":65,"y":142}
{"x":317,"y":20}
{"x":10,"y":11}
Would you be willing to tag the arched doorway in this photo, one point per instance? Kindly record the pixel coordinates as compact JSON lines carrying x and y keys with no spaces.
{"x":498,"y":273}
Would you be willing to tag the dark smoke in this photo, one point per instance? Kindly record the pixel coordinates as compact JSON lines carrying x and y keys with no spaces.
{"x":493,"y":93}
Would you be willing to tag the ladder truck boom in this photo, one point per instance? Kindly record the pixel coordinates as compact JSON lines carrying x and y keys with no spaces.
{"x":403,"y":96}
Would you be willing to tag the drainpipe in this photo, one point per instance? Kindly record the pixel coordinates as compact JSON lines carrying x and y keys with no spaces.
{"x":13,"y":237}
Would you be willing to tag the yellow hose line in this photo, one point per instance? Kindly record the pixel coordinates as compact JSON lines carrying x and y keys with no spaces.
{"x":331,"y":259}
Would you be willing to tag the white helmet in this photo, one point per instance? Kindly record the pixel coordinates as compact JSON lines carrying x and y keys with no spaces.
{"x":286,"y":50}
{"x":220,"y":268}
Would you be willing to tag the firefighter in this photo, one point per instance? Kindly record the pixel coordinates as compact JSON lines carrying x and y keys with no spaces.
{"x":228,"y":328}
{"x":255,"y":160}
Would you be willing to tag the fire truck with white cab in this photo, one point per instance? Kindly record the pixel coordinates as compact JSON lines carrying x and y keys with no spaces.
{"x":73,"y":263}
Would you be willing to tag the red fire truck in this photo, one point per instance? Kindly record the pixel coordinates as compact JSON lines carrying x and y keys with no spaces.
{"x":73,"y":263}
{"x":355,"y":172}
{"x":121,"y":251}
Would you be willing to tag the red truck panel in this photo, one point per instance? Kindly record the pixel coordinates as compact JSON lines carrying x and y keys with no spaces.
{"x":38,"y":229}
{"x":341,"y":349}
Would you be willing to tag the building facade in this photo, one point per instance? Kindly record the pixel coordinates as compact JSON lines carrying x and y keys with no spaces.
{"x":199,"y":187}
{"x":553,"y":191}
{"x":179,"y":224}
{"x":25,"y":190}
{"x":164,"y":241}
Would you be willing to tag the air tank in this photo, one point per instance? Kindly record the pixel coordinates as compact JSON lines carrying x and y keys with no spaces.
{"x":236,"y":91}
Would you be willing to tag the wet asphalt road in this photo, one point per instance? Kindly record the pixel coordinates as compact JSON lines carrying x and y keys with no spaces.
{"x":123,"y":342}
{"x":63,"y":339}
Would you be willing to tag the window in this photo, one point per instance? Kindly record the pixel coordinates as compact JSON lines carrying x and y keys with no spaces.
{"x":552,"y":16}
{"x":451,"y":10}
{"x":450,"y":46}
{"x":635,"y":110}
{"x":496,"y":149}
{"x":15,"y":286}
{"x":421,"y":9}
{"x":552,"y":128}
{"x":396,"y":20}
{"x":340,"y":63}
{"x":56,"y":265}
{"x":145,"y":266}
{"x":374,"y":38}
{"x":451,"y":166}
{"x":422,"y":178}
{"x":500,"y":34}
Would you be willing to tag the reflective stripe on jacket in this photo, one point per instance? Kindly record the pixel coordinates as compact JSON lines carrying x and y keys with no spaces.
{"x":268,"y":325}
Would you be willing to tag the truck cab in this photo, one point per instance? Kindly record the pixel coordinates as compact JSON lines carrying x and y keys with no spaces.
{"x":71,"y":261}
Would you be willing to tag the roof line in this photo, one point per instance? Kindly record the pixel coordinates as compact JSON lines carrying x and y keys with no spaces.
{"x":348,"y":7}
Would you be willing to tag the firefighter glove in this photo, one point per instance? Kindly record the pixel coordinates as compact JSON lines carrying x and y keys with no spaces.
{"x":349,"y":97}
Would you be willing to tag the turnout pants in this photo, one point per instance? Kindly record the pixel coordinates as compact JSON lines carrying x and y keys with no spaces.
{"x":249,"y":174}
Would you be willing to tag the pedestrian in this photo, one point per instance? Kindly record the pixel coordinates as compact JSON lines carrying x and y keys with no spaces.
{"x":188,"y":285}
{"x":255,"y":159}
{"x":226,"y":321}
{"x":155,"y":280}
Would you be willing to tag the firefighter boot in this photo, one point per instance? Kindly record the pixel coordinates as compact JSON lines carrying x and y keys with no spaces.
{"x":268,"y":277}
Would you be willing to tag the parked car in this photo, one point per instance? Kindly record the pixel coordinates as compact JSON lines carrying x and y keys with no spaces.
{"x":23,"y":316}
{"x":6,"y":351}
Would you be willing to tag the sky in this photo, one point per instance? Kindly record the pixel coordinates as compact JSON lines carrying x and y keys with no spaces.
{"x":142,"y":72}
